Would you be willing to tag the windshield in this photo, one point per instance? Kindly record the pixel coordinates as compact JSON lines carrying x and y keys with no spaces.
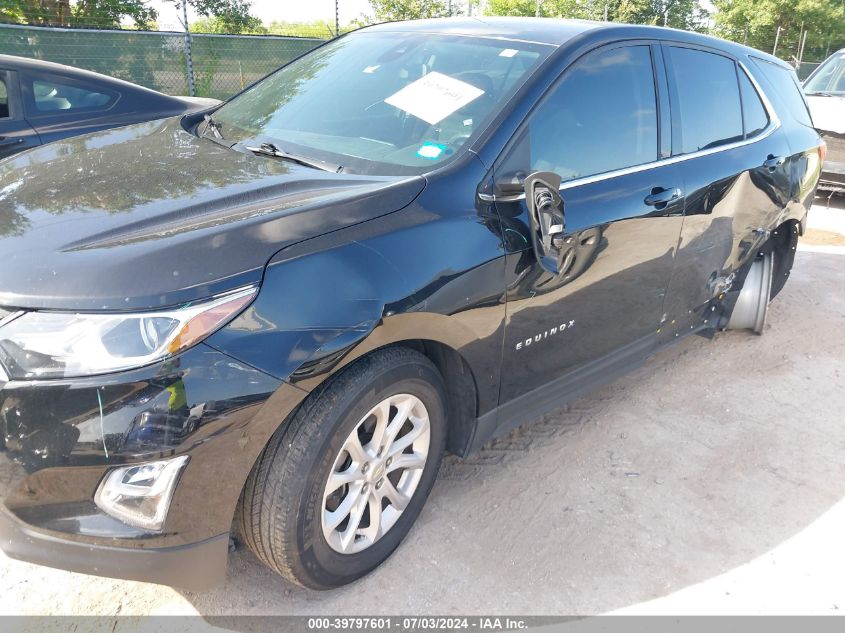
{"x":829,"y":78}
{"x":382,"y":103}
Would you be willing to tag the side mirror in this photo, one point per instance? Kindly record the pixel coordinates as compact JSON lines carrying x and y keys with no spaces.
{"x":511,"y":188}
{"x":545,"y":211}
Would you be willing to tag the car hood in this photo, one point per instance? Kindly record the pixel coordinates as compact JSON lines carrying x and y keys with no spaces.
{"x":150,"y":215}
{"x":828,"y":113}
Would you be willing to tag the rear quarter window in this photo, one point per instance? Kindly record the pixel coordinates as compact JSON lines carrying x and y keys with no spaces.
{"x":785,"y":84}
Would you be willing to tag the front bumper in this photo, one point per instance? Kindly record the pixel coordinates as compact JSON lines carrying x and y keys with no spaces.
{"x":195,"y":567}
{"x":61,"y":437}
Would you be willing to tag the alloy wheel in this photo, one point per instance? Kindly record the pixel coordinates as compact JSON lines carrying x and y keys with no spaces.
{"x":374,"y":476}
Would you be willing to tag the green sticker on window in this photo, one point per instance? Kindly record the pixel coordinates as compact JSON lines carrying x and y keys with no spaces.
{"x":430,"y":151}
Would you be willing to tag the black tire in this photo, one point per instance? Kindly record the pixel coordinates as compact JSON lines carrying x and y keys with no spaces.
{"x":279,"y":516}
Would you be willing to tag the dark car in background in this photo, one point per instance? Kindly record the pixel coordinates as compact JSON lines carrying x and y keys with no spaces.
{"x":271,"y":322}
{"x":825,"y":90}
{"x":42,"y":102}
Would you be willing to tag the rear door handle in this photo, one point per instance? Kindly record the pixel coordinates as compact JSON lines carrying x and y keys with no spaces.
{"x":4,"y":142}
{"x":660,"y":197}
{"x":773,"y":162}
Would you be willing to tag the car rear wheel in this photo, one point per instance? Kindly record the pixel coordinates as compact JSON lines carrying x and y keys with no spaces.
{"x":341,"y":483}
{"x":752,"y":305}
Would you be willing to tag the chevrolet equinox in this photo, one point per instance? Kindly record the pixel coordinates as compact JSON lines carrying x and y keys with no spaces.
{"x":272,"y":319}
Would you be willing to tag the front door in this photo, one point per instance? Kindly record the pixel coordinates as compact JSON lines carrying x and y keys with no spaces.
{"x":599,"y":130}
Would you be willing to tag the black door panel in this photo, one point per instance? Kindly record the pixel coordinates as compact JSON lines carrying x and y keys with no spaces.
{"x":622,"y":215}
{"x":609,"y":293}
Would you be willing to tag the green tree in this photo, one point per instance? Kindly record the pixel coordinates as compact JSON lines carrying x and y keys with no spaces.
{"x":684,"y":14}
{"x":388,"y":10}
{"x":11,"y":12}
{"x":232,"y":16}
{"x":756,"y":23}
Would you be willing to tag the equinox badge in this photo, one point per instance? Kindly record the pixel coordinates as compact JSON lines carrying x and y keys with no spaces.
{"x":544,"y":335}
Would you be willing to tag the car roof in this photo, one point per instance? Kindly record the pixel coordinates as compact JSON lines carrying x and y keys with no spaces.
{"x":39,"y":65}
{"x":557,"y":32}
{"x":539,"y":30}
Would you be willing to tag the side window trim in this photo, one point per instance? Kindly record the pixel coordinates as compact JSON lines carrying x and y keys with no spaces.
{"x":774,"y":124}
{"x":664,"y":105}
{"x":32,"y":110}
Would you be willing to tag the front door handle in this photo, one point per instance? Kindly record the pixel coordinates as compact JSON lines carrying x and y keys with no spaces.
{"x":660,"y":197}
{"x":773,"y":162}
{"x":5,"y":142}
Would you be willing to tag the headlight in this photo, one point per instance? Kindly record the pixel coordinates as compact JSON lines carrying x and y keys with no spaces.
{"x":65,"y":345}
{"x":140,"y":495}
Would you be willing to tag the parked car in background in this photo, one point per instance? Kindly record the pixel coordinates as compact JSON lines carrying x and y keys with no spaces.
{"x":825,"y":90}
{"x":42,"y":102}
{"x":272,"y":320}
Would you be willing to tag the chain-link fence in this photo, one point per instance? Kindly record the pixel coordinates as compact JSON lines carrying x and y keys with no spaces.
{"x":221,"y":64}
{"x":218,"y":66}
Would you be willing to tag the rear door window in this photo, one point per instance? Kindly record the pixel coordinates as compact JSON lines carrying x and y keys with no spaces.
{"x":602,"y":116}
{"x":707,"y":111}
{"x":785,"y":84}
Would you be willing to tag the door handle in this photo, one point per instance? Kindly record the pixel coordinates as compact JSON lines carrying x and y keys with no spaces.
{"x":660,"y":197}
{"x":773,"y":162}
{"x":5,"y":142}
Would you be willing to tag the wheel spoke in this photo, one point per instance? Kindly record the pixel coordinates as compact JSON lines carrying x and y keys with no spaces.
{"x":354,"y":448}
{"x":382,"y":413}
{"x":403,"y":410}
{"x":373,"y":531}
{"x":334,"y":518}
{"x":347,"y":537}
{"x":406,"y":440}
{"x":336,"y":480}
{"x":396,"y":498}
{"x":408,"y":461}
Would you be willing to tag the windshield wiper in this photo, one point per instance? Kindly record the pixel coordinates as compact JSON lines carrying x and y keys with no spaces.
{"x":269,"y":149}
{"x":211,"y":124}
{"x":822,"y":93}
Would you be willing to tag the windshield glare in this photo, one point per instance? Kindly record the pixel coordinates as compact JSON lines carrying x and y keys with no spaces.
{"x":382,"y":103}
{"x":830,"y":78}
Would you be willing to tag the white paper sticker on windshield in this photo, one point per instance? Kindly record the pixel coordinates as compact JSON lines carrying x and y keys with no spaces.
{"x":434,"y":97}
{"x":508,"y":52}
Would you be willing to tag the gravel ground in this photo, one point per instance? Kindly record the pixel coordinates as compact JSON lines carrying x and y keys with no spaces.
{"x":709,"y":481}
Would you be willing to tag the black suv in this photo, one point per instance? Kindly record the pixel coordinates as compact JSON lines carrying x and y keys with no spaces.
{"x":272,"y":321}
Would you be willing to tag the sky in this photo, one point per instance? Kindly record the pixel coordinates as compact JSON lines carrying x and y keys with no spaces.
{"x":280,"y":10}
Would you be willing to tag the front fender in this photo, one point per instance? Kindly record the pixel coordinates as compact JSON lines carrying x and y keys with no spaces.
{"x":412,"y":275}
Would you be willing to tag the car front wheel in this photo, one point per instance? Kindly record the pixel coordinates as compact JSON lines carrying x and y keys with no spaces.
{"x":341,"y":483}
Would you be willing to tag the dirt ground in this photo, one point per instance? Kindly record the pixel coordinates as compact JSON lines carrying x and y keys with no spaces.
{"x":709,"y":481}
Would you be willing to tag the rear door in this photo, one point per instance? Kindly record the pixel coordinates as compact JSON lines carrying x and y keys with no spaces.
{"x":599,"y":130}
{"x":725,"y":137}
{"x":15,"y":133}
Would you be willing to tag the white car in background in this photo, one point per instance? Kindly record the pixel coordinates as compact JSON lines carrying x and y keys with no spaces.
{"x":825,"y":91}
